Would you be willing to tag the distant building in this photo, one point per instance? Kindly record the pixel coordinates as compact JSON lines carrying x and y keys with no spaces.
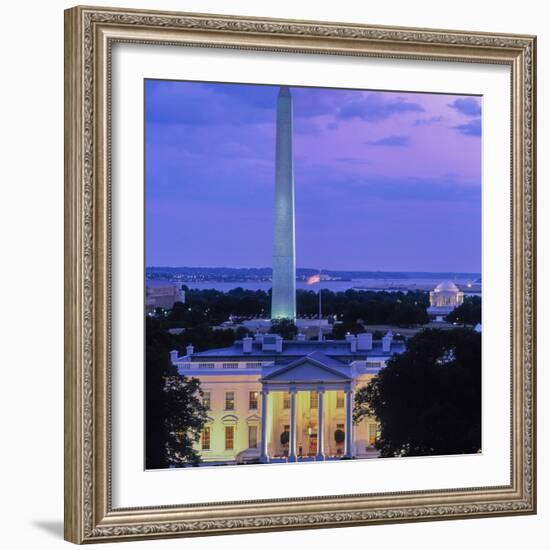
{"x":444,"y":298}
{"x":162,"y":296}
{"x":275,"y":400}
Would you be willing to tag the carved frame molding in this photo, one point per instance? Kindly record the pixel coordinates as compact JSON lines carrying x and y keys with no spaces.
{"x":89,"y":35}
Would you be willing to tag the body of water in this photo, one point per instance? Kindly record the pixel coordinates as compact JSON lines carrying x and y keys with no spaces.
{"x":335,"y":286}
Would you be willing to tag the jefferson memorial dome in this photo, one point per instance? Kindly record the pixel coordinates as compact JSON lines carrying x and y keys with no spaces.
{"x":445,"y":297}
{"x":446,"y":286}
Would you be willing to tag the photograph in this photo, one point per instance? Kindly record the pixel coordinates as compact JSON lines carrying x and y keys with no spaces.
{"x":313,"y":261}
{"x":300,"y":265}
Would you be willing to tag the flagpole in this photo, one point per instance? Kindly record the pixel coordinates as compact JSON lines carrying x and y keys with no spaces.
{"x":320,"y":336}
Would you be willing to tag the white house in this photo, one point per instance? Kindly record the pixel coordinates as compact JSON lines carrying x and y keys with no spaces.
{"x":276,"y":400}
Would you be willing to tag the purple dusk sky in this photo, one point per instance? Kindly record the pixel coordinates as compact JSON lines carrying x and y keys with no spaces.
{"x":387,"y":181}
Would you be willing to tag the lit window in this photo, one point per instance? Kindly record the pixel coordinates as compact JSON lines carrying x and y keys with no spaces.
{"x":340,"y":400}
{"x":286,"y":400}
{"x":372,"y":434}
{"x":229,"y":437}
{"x":206,"y":399}
{"x":253,"y":400}
{"x":313,"y":400}
{"x":252,"y":437}
{"x":205,"y":438}
{"x":229,"y":400}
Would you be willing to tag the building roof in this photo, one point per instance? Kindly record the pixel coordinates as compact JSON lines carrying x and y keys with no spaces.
{"x":446,"y":286}
{"x":292,"y":348}
{"x":308,"y":367}
{"x":335,"y":356}
{"x":325,"y":359}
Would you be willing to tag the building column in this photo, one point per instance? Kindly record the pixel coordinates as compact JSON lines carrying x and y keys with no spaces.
{"x":320,"y":427}
{"x":349,"y":424}
{"x":264,"y":456}
{"x":292,"y":442}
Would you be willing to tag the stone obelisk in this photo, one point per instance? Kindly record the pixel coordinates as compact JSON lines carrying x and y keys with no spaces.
{"x":283,"y":300}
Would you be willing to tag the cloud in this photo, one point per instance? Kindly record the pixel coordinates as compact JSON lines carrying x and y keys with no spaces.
{"x":306,"y":127}
{"x":374,"y":107}
{"x":328,"y":181}
{"x":198,"y":104}
{"x":208,"y":105}
{"x":418,"y":189}
{"x":313,"y":102}
{"x":391,"y":141}
{"x":353,"y":160}
{"x":472,"y":128}
{"x":468,"y":106}
{"x":428,"y":121}
{"x":203,"y":104}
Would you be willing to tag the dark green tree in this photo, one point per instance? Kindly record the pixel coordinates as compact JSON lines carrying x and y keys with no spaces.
{"x":185,"y":416}
{"x":468,"y":313}
{"x":405,"y":314}
{"x":212,"y":307}
{"x":241,"y":333}
{"x":307,"y":302}
{"x":285,"y":328}
{"x":339,"y":330}
{"x":174,"y":414}
{"x":428,"y":399}
{"x":157,"y":367}
{"x":203,"y":337}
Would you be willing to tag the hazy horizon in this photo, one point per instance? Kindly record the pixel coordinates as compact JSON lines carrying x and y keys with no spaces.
{"x":266,"y":267}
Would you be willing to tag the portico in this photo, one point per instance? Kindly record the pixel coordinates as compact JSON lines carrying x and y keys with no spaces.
{"x":294,"y":396}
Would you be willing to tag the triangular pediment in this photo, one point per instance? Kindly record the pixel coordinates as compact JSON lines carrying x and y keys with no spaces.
{"x":308,"y":369}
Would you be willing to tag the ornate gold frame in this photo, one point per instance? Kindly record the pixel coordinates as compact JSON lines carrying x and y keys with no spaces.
{"x":89,"y":35}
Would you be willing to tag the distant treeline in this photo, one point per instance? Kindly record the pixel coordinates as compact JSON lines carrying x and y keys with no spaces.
{"x":469,"y":313}
{"x":213,"y":307}
{"x":302,"y":272}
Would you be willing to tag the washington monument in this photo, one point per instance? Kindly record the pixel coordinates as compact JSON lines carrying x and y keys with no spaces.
{"x":283,"y":300}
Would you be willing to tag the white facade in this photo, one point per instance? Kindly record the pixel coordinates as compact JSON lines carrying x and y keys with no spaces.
{"x":445,"y":297}
{"x":302,"y":389}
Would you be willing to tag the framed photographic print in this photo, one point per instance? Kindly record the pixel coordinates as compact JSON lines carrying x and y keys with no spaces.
{"x":300,"y":274}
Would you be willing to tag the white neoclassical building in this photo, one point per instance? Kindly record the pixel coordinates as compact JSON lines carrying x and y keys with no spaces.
{"x":276,"y":400}
{"x":445,"y":297}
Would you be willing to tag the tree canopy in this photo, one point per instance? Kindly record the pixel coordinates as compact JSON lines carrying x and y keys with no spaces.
{"x":213,"y":307}
{"x":427,"y":400}
{"x":339,"y":330}
{"x":468,"y":313}
{"x":174,"y":413}
{"x":185,"y":416}
{"x":285,"y":328}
